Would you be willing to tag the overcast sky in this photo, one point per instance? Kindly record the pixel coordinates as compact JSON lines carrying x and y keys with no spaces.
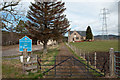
{"x":83,"y":13}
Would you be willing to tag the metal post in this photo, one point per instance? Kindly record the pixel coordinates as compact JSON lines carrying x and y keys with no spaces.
{"x":111,"y":62}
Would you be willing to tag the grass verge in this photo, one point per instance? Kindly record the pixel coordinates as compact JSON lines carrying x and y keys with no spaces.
{"x":13,"y":68}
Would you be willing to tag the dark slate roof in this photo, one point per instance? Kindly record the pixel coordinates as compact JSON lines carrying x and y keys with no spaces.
{"x":71,"y":32}
{"x":82,"y":33}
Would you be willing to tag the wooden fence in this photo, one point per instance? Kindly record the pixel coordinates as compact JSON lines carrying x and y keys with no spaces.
{"x":30,"y":63}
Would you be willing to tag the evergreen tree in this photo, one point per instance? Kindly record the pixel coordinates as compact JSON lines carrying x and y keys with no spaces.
{"x":47,"y":21}
{"x":89,"y":35}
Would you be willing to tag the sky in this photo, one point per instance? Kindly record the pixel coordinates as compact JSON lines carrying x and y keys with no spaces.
{"x":83,"y":13}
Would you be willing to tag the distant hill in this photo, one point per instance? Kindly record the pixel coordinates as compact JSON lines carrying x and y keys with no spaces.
{"x":110,"y":37}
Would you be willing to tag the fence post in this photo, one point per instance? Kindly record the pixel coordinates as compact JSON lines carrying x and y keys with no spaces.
{"x":83,"y":54}
{"x":71,"y":67}
{"x":88,"y":62}
{"x":95,"y":59}
{"x":55,"y":65}
{"x":24,"y":59}
{"x":77,"y":51}
{"x":111,"y":52}
{"x":104,"y":67}
{"x":37,"y":63}
{"x":80,"y":52}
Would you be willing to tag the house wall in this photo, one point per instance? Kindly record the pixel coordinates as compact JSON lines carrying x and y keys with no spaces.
{"x":72,"y":36}
{"x":84,"y":38}
{"x":50,"y":42}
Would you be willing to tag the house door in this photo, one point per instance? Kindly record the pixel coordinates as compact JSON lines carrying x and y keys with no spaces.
{"x":73,"y":39}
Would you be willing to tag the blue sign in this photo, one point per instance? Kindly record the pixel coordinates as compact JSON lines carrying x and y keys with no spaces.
{"x":25,"y":43}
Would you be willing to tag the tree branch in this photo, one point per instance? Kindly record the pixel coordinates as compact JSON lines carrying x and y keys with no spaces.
{"x":10,"y":4}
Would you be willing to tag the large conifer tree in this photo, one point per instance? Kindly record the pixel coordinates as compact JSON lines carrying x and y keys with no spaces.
{"x":47,"y":21}
{"x":89,"y":35}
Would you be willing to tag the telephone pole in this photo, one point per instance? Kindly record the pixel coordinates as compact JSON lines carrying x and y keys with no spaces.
{"x":104,"y":13}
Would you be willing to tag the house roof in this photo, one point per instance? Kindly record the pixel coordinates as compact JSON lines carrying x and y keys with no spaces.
{"x":82,"y":33}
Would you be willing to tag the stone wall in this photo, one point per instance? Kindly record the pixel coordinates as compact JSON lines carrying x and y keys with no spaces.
{"x":75,"y":37}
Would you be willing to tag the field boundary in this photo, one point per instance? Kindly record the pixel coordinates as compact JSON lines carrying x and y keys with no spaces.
{"x":85,"y":61}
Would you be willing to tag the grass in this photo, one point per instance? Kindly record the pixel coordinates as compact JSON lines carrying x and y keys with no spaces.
{"x":49,"y":56}
{"x":101,"y":46}
{"x":13,"y":68}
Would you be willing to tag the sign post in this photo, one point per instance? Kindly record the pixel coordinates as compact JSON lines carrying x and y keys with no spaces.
{"x":29,"y":61}
{"x":25,"y":45}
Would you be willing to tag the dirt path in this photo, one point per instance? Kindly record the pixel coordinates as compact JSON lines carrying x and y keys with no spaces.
{"x":71,"y":67}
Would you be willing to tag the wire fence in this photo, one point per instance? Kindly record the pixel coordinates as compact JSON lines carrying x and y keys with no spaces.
{"x":98,"y":60}
{"x":117,"y":64}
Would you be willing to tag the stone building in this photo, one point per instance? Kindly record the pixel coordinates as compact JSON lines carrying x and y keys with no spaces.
{"x":50,"y":42}
{"x":76,"y":36}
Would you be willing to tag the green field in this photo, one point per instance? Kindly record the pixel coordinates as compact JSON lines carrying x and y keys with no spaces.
{"x":102,"y":46}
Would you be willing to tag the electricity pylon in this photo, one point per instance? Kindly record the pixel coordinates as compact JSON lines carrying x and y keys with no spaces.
{"x":104,"y":13}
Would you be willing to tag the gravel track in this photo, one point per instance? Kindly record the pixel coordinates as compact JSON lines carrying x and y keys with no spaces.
{"x":14,"y":50}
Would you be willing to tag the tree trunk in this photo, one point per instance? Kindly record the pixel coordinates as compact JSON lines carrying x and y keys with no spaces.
{"x":11,"y":38}
{"x":44,"y":47}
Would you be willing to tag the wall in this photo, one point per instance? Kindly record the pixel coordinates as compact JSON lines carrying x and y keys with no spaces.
{"x":70,"y":37}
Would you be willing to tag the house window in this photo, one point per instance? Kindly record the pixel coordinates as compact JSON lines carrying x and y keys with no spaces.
{"x":77,"y":37}
{"x":74,"y":33}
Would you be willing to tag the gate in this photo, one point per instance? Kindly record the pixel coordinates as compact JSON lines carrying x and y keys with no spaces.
{"x":117,"y":63}
{"x":67,"y":66}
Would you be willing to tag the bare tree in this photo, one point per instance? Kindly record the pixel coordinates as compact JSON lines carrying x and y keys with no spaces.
{"x":9,"y":16}
{"x":9,"y":12}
